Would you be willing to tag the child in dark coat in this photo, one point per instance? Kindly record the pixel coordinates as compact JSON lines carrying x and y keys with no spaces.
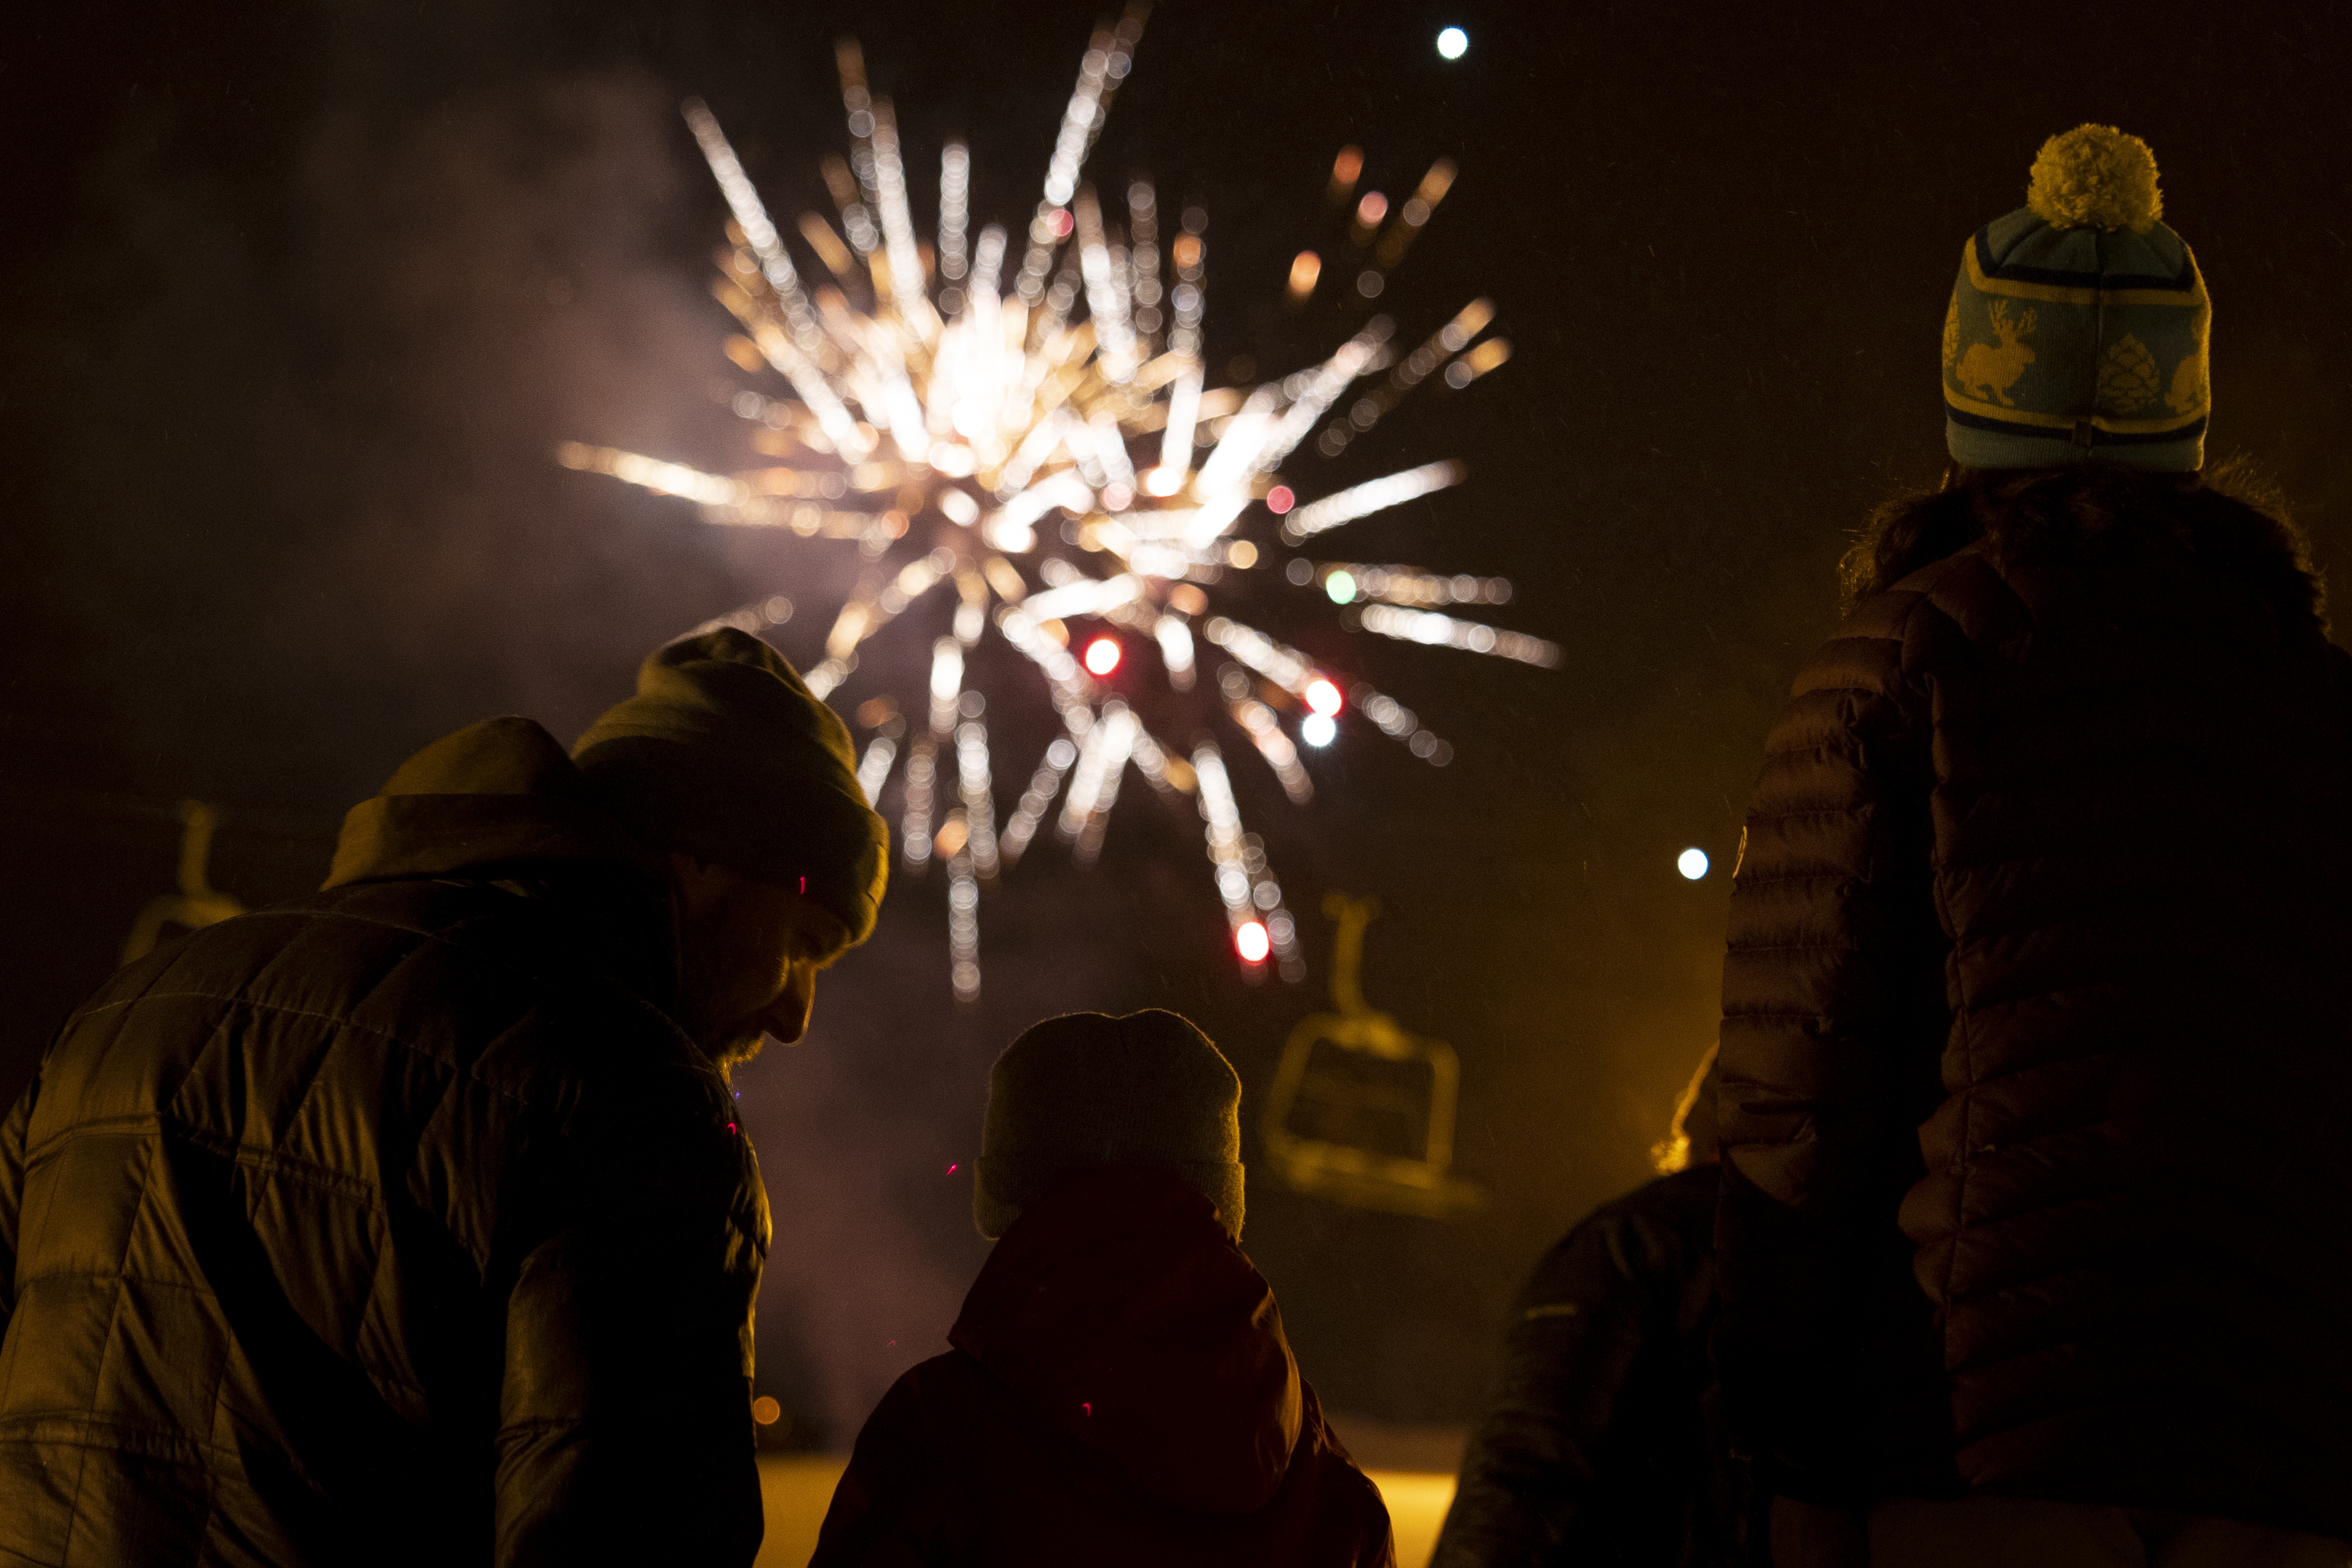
{"x":1119,"y":1389}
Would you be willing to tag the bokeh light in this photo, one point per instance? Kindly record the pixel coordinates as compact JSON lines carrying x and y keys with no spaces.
{"x":1323,"y":697}
{"x":1692,"y":864}
{"x":1102,"y":655}
{"x":1452,"y":42}
{"x":1318,"y":730}
{"x":1303,"y":272}
{"x":1341,"y":586}
{"x":1252,"y":943}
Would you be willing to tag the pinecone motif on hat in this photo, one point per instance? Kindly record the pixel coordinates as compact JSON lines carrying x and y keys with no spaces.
{"x":2127,"y":378}
{"x":1952,"y":329}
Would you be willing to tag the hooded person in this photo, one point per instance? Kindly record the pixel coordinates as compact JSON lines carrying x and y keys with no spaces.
{"x":2036,"y":1223}
{"x":412,"y":1221}
{"x":1119,"y":1388}
{"x":1602,"y":1441}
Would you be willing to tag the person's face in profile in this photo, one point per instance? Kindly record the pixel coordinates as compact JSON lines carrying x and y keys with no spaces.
{"x":749,"y":953}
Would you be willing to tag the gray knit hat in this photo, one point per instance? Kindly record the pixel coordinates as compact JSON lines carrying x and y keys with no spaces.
{"x":725,"y":754}
{"x":1086,"y":1089}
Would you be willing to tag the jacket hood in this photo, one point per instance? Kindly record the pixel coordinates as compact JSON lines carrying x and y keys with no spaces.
{"x":1117,"y":1307}
{"x":498,"y":792}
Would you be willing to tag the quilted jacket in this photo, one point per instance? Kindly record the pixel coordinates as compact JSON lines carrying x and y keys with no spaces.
{"x":397,"y":1223}
{"x":1602,"y":1441}
{"x":2037,"y":1048}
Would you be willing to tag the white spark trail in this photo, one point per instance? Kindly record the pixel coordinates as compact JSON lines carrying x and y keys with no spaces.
{"x":978,"y":792}
{"x":1435,"y":630}
{"x":752,"y":216}
{"x":874,"y":768}
{"x":955,"y":209}
{"x":1371,"y":496}
{"x":1044,"y":785}
{"x":898,"y":222}
{"x":1265,"y":732}
{"x":1286,"y":667}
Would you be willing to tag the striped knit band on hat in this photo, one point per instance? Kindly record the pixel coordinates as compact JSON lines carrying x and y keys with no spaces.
{"x":2078,"y":329}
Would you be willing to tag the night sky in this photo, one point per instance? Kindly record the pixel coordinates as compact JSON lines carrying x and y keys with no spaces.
{"x":299,"y":303}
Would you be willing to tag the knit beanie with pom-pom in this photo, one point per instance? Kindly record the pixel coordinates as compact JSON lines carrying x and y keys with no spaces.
{"x":2077,"y":332}
{"x":1086,"y":1089}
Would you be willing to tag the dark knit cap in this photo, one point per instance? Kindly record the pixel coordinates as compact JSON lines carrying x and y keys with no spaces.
{"x":1088,"y":1089}
{"x":724,"y":755}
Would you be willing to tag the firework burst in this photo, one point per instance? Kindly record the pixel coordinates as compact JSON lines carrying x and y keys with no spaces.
{"x":942,"y":425}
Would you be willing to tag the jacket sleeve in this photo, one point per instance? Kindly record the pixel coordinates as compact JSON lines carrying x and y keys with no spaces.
{"x":625,"y":1430}
{"x":1834,"y":1025}
{"x":1572,"y":1372}
{"x":13,"y":1135}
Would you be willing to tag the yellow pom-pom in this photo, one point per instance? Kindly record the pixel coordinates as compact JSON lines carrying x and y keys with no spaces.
{"x":2094,"y":176}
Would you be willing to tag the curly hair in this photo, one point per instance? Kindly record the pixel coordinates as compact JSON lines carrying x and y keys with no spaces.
{"x":2231,"y":520}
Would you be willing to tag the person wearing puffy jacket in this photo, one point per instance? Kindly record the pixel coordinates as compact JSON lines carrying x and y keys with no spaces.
{"x":411,"y":1222}
{"x":1119,"y":1388}
{"x":1601,"y":1442}
{"x":2036,"y":1229}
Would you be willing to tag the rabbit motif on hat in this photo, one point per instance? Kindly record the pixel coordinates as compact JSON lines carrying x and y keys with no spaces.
{"x":1984,"y":368}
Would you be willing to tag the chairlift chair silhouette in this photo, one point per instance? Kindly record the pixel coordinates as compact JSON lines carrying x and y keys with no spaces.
{"x":1356,"y":1073}
{"x":198,"y":903}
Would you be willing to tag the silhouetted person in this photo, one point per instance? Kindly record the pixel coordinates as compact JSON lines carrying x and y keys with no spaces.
{"x":412,"y":1222}
{"x":2036,"y":1244}
{"x":1120,"y":1390}
{"x":1601,"y":1442}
